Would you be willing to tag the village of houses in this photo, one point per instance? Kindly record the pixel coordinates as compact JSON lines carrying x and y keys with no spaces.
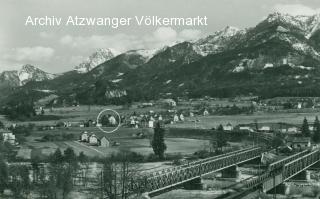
{"x":89,"y":135}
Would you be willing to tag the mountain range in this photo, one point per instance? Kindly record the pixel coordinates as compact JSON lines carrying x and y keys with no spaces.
{"x":22,"y":76}
{"x":280,"y":56}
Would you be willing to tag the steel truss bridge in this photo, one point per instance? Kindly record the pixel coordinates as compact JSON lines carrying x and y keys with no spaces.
{"x":162,"y":180}
{"x":277,"y":173}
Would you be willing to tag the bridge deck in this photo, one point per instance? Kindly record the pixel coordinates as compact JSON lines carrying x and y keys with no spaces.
{"x":278,"y":172}
{"x":170,"y":178}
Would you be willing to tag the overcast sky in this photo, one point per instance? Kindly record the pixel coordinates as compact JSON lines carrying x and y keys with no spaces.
{"x":60,"y":48}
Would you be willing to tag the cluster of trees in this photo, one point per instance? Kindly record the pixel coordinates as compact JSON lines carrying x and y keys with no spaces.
{"x":21,"y":111}
{"x":58,"y":178}
{"x":118,"y":172}
{"x":234,"y":110}
{"x":219,"y":140}
{"x":57,"y":137}
{"x":305,"y":130}
{"x":54,"y":182}
{"x":6,"y":149}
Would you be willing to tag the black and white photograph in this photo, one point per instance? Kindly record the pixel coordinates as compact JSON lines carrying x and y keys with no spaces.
{"x":161,"y":99}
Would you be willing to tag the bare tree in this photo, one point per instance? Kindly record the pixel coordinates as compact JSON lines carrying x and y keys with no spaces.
{"x":116,"y":176}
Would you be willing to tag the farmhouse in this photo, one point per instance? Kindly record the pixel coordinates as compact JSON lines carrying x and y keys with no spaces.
{"x":176,"y":118}
{"x":292,"y":130}
{"x":150,"y":123}
{"x":84,"y":137}
{"x":205,"y":112}
{"x":93,"y":140}
{"x":298,"y":142}
{"x":8,"y":136}
{"x":169,"y":102}
{"x":245,"y":128}
{"x":147,"y":104}
{"x":112,"y":120}
{"x":181,"y":117}
{"x":265,"y":128}
{"x":228,"y":127}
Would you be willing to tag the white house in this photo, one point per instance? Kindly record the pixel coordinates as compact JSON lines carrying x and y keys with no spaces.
{"x":84,"y":137}
{"x":228,"y":127}
{"x":160,"y":118}
{"x":175,"y":118}
{"x":245,"y":128}
{"x":170,"y":102}
{"x":151,"y":124}
{"x":265,"y":128}
{"x":93,"y":140}
{"x":112,"y":120}
{"x":283,"y":130}
{"x":9,"y":137}
{"x":181,"y":117}
{"x":205,"y":112}
{"x":292,"y":130}
{"x":147,"y":104}
{"x":299,"y":142}
{"x":104,"y":142}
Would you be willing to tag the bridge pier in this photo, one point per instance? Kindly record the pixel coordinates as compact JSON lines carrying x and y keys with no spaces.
{"x":303,"y":175}
{"x":231,"y":172}
{"x":144,"y":196}
{"x":283,"y":189}
{"x":195,"y":184}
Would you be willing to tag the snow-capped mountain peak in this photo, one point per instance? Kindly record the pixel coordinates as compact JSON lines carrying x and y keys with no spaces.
{"x":25,"y":74}
{"x":147,"y":54}
{"x":98,"y":57}
{"x":306,"y":24}
{"x":218,"y":41}
{"x":229,"y":31}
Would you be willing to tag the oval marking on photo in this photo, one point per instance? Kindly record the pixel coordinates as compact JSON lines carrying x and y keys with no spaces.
{"x":100,"y":127}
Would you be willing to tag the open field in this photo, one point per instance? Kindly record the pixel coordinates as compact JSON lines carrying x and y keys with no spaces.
{"x":142,"y":146}
{"x":82,"y":113}
{"x":207,"y":122}
{"x":77,"y":114}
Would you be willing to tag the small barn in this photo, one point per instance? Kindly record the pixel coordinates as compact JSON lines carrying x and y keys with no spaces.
{"x":104,"y":142}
